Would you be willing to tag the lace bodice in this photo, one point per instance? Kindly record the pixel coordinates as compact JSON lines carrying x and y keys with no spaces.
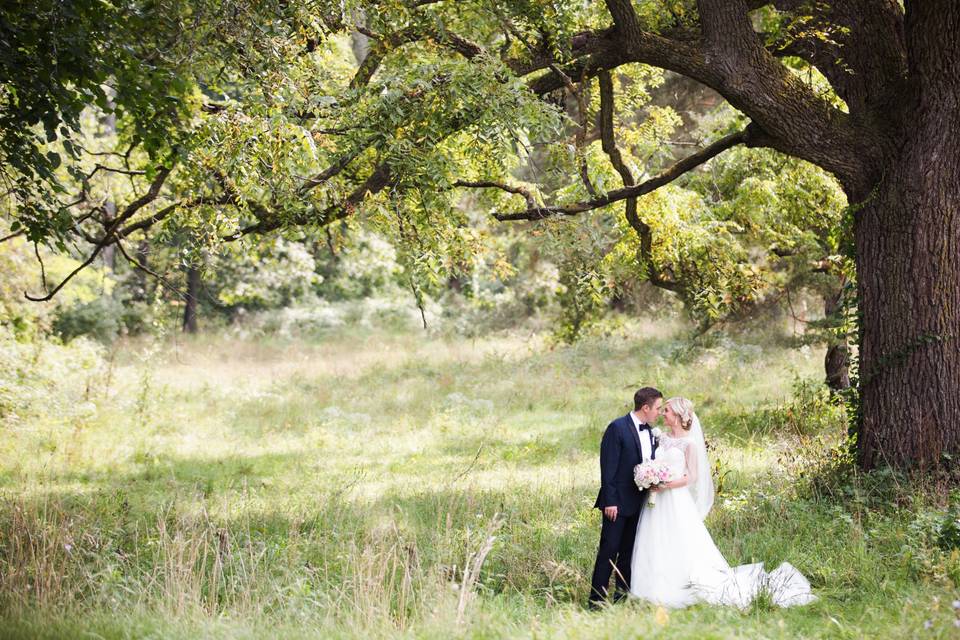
{"x":669,"y":442}
{"x":679,"y":454}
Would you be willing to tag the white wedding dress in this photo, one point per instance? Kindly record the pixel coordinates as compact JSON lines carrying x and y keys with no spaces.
{"x":675,"y":562}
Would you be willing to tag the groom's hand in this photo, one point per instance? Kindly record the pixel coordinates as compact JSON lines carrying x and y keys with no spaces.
{"x":610,"y":513}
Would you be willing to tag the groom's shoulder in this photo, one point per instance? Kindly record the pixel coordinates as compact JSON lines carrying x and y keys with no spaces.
{"x":618,"y":421}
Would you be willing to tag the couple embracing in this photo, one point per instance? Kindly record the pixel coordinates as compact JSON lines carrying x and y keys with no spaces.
{"x":653,"y":540}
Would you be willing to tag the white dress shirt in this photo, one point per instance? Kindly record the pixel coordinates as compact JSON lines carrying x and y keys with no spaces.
{"x":646,"y":444}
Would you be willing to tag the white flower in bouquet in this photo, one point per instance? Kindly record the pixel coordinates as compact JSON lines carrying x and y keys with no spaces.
{"x":652,"y":473}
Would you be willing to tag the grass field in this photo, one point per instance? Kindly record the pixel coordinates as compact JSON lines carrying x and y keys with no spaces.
{"x":393,"y":485}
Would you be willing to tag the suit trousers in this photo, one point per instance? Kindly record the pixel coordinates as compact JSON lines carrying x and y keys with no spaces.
{"x":616,"y":550}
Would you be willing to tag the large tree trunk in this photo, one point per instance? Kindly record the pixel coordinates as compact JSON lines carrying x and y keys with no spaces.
{"x":836,"y":363}
{"x":908,"y":263}
{"x":908,"y":260}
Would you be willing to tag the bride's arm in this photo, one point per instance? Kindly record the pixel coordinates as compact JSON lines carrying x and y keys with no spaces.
{"x":691,"y":475}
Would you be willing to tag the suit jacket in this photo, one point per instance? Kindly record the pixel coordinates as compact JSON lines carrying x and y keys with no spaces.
{"x":620,"y":452}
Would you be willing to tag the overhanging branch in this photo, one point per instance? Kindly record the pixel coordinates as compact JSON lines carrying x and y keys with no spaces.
{"x":665,"y":177}
{"x":491,"y":184}
{"x":642,"y":229}
{"x":110,"y":234}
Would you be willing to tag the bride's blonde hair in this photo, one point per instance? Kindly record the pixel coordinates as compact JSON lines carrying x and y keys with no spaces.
{"x":684,"y":409}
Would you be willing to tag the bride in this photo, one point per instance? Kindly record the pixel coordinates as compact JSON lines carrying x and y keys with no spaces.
{"x":675,"y":562}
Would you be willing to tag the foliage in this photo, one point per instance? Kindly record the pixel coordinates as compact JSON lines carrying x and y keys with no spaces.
{"x":361,"y":264}
{"x":139,"y":66}
{"x":264,"y":95}
{"x":274,"y":274}
{"x":940,"y":527}
{"x":17,"y":315}
{"x":100,"y":319}
{"x":43,"y":379}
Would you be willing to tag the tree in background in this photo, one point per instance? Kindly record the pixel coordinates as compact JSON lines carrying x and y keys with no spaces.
{"x":263,"y":122}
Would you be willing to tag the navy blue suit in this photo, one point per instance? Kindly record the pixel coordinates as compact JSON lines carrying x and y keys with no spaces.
{"x":620,"y":452}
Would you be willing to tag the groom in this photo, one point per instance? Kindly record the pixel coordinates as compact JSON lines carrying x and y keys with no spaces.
{"x":627,"y":442}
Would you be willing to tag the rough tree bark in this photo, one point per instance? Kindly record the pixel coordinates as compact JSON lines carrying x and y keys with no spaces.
{"x":908,"y":261}
{"x":908,"y":264}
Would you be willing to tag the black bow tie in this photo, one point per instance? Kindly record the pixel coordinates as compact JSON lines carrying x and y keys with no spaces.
{"x":643,"y":427}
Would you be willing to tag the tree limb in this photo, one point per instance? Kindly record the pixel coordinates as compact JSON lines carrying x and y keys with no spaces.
{"x":387,"y":43}
{"x":729,"y":58}
{"x":155,"y":186}
{"x":665,"y":177}
{"x":641,"y":228}
{"x":483,"y":184}
{"x":374,"y":183}
{"x":142,"y":267}
{"x":858,"y":45}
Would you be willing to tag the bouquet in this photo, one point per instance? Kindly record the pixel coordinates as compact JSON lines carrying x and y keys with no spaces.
{"x":650,"y":474}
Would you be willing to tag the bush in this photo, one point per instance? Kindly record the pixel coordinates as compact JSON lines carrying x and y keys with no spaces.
{"x":100,"y":319}
{"x":820,"y":466}
{"x":941,"y":527}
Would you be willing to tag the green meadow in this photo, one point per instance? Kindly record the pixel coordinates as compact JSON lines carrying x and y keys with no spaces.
{"x":384,"y":484}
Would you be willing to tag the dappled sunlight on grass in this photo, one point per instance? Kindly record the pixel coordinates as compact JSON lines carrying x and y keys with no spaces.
{"x":339,"y":487}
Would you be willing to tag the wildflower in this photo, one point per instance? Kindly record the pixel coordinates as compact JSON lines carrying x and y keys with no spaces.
{"x":956,"y":604}
{"x":68,"y":547}
{"x":927,"y":624}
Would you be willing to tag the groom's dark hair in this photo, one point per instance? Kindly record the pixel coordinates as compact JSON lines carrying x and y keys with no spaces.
{"x":645,"y":396}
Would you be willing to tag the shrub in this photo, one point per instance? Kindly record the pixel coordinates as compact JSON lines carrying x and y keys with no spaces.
{"x":100,"y":319}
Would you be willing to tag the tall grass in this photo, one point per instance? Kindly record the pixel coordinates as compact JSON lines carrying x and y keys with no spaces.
{"x":385,"y":485}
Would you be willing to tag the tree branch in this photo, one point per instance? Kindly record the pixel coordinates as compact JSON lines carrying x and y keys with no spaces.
{"x":146,"y":223}
{"x":730,"y":59}
{"x":155,"y":186}
{"x":387,"y":43}
{"x":11,"y":236}
{"x":484,"y":184}
{"x":624,"y":16}
{"x":374,"y":183}
{"x":665,"y":177}
{"x":858,"y":45}
{"x":338,"y":166}
{"x":142,"y":267}
{"x":641,"y":228}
